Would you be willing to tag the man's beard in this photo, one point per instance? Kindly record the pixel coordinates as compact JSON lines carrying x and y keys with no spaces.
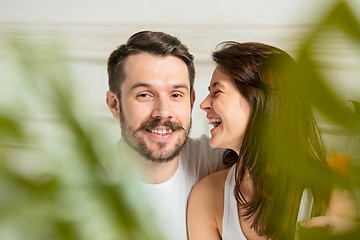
{"x":136,"y":142}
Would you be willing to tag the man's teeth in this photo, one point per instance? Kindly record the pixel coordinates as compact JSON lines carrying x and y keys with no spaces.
{"x":161,"y":132}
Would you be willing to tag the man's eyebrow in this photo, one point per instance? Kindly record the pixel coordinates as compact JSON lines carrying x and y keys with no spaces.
{"x":146,"y":85}
{"x":137,"y":85}
{"x":181,"y":86}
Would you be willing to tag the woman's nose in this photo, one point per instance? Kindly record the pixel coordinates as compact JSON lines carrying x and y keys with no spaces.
{"x":206,"y":104}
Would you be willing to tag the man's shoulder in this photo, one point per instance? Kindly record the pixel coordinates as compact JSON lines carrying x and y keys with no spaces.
{"x":195,"y":142}
{"x":196,"y":146}
{"x":198,"y":151}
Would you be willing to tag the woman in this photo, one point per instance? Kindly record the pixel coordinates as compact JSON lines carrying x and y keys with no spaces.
{"x":273,"y":136}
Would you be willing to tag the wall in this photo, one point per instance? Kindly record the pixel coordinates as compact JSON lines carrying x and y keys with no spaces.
{"x":90,"y":30}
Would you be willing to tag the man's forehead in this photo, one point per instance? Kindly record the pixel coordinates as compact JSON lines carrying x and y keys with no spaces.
{"x":145,"y":70}
{"x":144,"y":60}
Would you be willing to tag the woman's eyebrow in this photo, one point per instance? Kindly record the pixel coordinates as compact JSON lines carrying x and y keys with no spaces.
{"x":214,"y":84}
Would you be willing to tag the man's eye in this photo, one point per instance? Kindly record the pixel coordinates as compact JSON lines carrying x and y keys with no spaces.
{"x":176,"y":95}
{"x":143,"y":95}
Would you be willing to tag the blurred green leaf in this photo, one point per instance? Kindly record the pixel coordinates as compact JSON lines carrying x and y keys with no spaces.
{"x":66,"y":194}
{"x":312,"y":84}
{"x":9,"y":128}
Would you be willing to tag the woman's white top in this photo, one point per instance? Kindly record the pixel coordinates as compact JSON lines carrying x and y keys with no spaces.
{"x":231,"y":228}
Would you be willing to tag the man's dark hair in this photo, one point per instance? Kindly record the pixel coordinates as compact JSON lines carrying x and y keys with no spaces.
{"x":154,"y":43}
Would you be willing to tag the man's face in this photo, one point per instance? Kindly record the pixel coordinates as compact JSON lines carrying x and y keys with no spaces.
{"x":155,"y":106}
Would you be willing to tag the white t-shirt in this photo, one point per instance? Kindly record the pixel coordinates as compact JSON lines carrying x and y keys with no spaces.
{"x":169,"y":199}
{"x":231,"y":228}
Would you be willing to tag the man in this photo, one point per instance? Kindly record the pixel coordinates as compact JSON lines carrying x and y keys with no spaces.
{"x":151,"y":92}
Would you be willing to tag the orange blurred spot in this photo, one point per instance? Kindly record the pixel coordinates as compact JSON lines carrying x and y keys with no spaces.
{"x":340,"y":163}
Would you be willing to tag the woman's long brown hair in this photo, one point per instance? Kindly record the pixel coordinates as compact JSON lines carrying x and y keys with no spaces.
{"x":282,"y":140}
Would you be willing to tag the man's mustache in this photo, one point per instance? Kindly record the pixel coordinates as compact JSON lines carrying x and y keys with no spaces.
{"x":153,"y":123}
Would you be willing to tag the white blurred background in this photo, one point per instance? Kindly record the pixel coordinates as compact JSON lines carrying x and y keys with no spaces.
{"x":90,"y":30}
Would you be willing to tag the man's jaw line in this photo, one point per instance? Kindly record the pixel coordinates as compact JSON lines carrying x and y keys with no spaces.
{"x":146,"y":155}
{"x":156,"y":131}
{"x":156,"y":140}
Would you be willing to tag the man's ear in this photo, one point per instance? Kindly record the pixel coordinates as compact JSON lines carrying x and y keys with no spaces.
{"x":113,"y":103}
{"x":192,"y":98}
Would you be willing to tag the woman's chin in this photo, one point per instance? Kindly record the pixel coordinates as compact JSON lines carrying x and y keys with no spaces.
{"x":214,"y":144}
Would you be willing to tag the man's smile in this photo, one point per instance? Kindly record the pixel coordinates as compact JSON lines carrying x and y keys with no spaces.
{"x":160,"y":131}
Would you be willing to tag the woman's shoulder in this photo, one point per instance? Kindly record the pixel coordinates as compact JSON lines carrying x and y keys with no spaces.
{"x":212,"y":184}
{"x":209,"y":192}
{"x":205,"y":207}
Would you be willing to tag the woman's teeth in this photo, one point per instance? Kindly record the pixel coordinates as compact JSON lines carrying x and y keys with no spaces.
{"x":215,"y":121}
{"x":212,"y":120}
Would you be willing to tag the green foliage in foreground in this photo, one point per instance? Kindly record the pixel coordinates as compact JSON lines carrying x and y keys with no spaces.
{"x":341,"y":19}
{"x":56,"y":188}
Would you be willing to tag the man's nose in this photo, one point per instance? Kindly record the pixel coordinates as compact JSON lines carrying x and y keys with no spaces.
{"x":162,"y":109}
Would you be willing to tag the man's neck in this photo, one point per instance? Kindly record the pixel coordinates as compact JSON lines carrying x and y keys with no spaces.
{"x":146,"y":170}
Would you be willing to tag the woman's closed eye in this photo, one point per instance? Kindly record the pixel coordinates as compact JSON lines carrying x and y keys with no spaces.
{"x":216,"y":92}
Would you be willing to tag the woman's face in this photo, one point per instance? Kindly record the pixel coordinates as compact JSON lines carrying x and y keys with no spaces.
{"x":227,"y":110}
